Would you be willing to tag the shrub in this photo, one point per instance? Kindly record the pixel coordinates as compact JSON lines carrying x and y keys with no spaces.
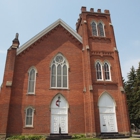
{"x":23,"y":137}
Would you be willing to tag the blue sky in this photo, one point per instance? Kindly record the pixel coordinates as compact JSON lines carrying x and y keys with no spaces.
{"x":29,"y":17}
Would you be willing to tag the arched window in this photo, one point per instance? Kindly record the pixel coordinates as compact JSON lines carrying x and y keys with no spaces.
{"x":94,"y":28}
{"x":31,"y":80}
{"x":99,"y":71}
{"x":29,"y":117}
{"x":59,"y":72}
{"x":107,"y":71}
{"x":100,"y":29}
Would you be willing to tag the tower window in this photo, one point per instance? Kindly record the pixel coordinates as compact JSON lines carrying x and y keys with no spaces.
{"x":107,"y":71}
{"x":98,"y":71}
{"x":94,"y":28}
{"x":100,"y":29}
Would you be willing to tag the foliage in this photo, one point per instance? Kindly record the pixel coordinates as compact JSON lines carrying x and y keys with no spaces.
{"x":83,"y":137}
{"x":78,"y":136}
{"x":132,"y":89}
{"x":23,"y":137}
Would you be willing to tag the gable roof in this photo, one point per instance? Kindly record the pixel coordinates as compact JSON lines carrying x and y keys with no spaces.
{"x":46,"y":30}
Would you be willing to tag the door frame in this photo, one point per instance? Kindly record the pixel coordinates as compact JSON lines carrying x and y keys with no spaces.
{"x":59,"y":111}
{"x":107,"y":105}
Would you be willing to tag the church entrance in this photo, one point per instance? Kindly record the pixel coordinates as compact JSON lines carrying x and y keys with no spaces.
{"x":107,"y":114}
{"x":59,"y":115}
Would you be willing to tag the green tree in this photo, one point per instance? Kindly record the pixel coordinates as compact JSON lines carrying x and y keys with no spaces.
{"x":136,"y":91}
{"x":130,"y":94}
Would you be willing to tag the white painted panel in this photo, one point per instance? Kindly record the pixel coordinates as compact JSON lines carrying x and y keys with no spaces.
{"x":107,"y":110}
{"x":106,"y":101}
{"x":59,"y":111}
{"x":59,"y":121}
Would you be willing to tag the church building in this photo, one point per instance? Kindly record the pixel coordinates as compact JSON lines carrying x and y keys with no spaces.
{"x":67,"y":80}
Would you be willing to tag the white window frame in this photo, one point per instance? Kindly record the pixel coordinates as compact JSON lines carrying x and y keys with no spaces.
{"x":103,"y":29}
{"x":96,"y":28}
{"x":67,"y":64}
{"x":108,"y":71}
{"x":33,"y":110}
{"x":97,"y":71}
{"x":29,"y":79}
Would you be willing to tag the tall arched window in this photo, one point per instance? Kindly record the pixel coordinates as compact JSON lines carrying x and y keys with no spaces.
{"x":31,"y":80}
{"x":99,"y":71}
{"x":59,"y":72}
{"x":29,"y":117}
{"x":107,"y":71}
{"x":100,"y":29}
{"x":94,"y":28}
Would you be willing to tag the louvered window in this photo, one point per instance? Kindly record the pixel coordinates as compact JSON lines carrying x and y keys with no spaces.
{"x":59,"y":72}
{"x":107,"y":71}
{"x":94,"y":29}
{"x":100,"y":29}
{"x":98,"y":71}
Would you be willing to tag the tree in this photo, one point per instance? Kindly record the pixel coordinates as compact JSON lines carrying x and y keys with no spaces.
{"x":129,"y":89}
{"x":136,"y":119}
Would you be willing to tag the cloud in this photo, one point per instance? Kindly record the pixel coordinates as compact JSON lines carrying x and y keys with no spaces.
{"x":126,"y":66}
{"x":2,"y":52}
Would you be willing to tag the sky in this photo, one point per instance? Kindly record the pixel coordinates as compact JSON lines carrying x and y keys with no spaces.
{"x":29,"y":17}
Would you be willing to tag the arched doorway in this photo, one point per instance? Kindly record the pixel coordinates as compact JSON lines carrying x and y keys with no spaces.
{"x":107,"y":114}
{"x":59,"y":115}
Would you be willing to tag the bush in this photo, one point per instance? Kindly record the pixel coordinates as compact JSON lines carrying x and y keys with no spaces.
{"x":23,"y":137}
{"x":78,"y":136}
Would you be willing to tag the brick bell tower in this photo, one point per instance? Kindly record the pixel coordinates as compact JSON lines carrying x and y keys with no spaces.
{"x":104,"y":97}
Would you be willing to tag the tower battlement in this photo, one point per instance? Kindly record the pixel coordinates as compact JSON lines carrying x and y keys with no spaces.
{"x":91,"y":11}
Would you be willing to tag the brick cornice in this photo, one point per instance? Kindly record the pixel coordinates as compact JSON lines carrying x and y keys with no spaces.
{"x":105,"y":83}
{"x":100,"y":39}
{"x":103,"y":53}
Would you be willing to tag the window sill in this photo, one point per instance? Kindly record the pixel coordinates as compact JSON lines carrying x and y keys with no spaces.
{"x":28,"y":127}
{"x":30,"y":94}
{"x":59,"y":89}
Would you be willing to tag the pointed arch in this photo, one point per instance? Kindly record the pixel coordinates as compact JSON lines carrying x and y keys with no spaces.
{"x":61,"y":97}
{"x":99,"y":73}
{"x":59,"y":114}
{"x":107,"y":71}
{"x":101,"y":31}
{"x":94,"y":28}
{"x":106,"y":97}
{"x":32,"y":80}
{"x":107,"y":112}
{"x":59,"y":72}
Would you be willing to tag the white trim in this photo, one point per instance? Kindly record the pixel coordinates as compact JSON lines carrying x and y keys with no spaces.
{"x":32,"y":116}
{"x":34,"y":79}
{"x":46,"y":30}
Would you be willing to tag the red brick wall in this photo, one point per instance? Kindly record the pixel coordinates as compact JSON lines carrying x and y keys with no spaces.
{"x":41,"y":56}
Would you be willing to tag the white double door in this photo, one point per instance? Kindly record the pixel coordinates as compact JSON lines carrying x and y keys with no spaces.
{"x":108,"y":122}
{"x":59,"y":122}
